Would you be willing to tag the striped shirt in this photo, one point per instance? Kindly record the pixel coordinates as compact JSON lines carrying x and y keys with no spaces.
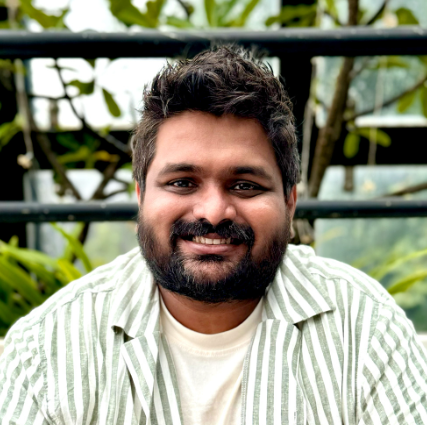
{"x":332,"y":348}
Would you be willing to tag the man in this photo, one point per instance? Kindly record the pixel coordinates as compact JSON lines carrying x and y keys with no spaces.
{"x":214,"y":323}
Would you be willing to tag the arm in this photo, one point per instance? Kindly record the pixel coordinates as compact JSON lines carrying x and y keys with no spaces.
{"x":394,"y":377}
{"x":21,"y":380}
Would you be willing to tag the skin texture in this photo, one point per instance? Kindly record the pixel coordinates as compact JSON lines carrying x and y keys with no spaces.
{"x":213,"y":169}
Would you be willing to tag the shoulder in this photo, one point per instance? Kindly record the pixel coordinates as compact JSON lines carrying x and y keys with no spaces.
{"x":326,"y":272}
{"x":101,"y":282}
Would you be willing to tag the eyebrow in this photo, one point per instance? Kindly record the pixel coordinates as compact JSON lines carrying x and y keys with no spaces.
{"x":253,"y":170}
{"x":180,"y":167}
{"x":183,"y":167}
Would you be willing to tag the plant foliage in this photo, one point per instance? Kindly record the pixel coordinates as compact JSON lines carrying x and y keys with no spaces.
{"x":29,"y":277}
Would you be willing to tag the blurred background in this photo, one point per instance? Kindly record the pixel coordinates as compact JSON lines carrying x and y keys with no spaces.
{"x":66,"y":127}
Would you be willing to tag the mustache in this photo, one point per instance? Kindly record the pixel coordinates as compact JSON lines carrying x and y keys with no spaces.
{"x":226,"y":229}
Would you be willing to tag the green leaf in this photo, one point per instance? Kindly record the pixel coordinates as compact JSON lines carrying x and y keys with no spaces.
{"x":127,"y":13}
{"x":91,"y":62}
{"x":406,"y":101}
{"x":26,"y":254}
{"x":293,"y":15}
{"x":68,"y":253}
{"x":7,"y":64}
{"x":330,"y":5}
{"x":14,"y":241}
{"x":381,"y":138}
{"x":10,"y":129}
{"x":84,"y":88}
{"x":7,"y":315}
{"x":154,"y":8}
{"x":390,"y":62}
{"x":407,"y":282}
{"x":424,"y":100}
{"x":390,"y":265}
{"x":210,"y":9}
{"x":111,"y":104}
{"x":67,"y":68}
{"x":82,"y":154}
{"x":21,"y":281}
{"x":223,"y":10}
{"x":351,"y":145}
{"x":361,"y":14}
{"x":76,"y":246}
{"x":423,"y":59}
{"x":68,"y":271}
{"x":173,"y":21}
{"x":34,"y":261}
{"x":241,"y":20}
{"x":68,"y":141}
{"x":46,"y":21}
{"x":406,"y":17}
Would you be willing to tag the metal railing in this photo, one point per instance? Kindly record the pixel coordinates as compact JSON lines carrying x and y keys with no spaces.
{"x":22,"y":212}
{"x":347,"y":41}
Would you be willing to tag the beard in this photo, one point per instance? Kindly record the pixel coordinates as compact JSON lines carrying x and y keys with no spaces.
{"x":226,"y":281}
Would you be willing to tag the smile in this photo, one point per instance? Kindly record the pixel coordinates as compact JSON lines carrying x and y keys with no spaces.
{"x":208,"y":241}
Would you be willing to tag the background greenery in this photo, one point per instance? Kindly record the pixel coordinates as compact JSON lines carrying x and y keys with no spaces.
{"x":365,"y":86}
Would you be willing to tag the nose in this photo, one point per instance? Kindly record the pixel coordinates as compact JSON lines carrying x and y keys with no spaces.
{"x":215,"y":206}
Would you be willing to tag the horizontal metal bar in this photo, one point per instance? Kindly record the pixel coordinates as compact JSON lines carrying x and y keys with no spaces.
{"x":23,"y":212}
{"x":348,"y":41}
{"x":384,"y":208}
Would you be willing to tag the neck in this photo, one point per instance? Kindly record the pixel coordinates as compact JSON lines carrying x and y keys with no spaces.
{"x":207,"y":318}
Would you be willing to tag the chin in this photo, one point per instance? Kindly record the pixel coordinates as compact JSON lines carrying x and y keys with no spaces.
{"x":208,"y":271}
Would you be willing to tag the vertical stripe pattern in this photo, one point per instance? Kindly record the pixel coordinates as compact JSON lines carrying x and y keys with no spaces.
{"x":332,"y":348}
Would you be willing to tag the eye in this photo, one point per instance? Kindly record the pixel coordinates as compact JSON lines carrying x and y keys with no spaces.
{"x":246,"y":186}
{"x":247,"y":189}
{"x":182,"y":185}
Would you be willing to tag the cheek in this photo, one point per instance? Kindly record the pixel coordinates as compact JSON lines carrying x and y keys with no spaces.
{"x":266,"y":219}
{"x":161,"y":211}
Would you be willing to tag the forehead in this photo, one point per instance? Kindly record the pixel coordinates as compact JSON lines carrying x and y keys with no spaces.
{"x":213,"y":143}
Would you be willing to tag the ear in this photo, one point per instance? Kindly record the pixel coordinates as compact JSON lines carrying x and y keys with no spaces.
{"x":292,"y":201}
{"x":138,"y":193}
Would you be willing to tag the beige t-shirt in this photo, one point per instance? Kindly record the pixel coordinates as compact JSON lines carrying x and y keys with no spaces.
{"x":209,"y":368}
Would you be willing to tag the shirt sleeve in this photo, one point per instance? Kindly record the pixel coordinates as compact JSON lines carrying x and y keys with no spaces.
{"x":394,"y":377}
{"x":21,"y":380}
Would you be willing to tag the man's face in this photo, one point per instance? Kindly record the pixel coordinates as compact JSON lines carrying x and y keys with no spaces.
{"x":214,"y":223}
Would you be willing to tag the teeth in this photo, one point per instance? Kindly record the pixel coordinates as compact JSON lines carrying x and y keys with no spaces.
{"x":207,"y":241}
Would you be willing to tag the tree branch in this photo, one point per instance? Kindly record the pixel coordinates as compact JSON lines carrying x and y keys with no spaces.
{"x":410,"y":189}
{"x":353,"y":11}
{"x":121,"y":181}
{"x":389,"y":101}
{"x":34,"y":96}
{"x":108,"y":174}
{"x":334,"y":18}
{"x":116,"y":192}
{"x":44,"y":143}
{"x":378,"y":14}
{"x":186,"y":8}
{"x":364,"y":62}
{"x":107,"y":138}
{"x":329,"y":134}
{"x":23,"y":107}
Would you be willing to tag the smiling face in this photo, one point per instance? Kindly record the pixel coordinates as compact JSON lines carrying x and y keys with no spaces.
{"x":213,"y":215}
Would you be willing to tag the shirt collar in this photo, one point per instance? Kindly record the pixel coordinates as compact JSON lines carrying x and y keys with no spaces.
{"x":295,"y":294}
{"x":135,"y":301}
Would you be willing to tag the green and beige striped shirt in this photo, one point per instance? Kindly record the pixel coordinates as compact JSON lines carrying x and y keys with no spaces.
{"x":332,"y":348}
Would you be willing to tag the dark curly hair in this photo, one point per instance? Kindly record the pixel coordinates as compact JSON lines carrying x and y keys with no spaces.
{"x":223,"y":80}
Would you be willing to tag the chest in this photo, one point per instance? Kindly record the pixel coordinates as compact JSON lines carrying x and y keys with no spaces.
{"x":283,"y":381}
